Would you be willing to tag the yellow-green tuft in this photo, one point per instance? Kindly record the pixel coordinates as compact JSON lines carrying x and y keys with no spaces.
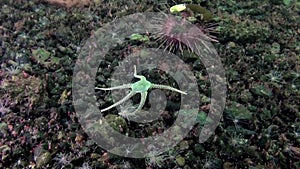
{"x":177,"y":8}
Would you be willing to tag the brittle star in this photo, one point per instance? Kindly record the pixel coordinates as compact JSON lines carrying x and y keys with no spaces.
{"x":142,"y":86}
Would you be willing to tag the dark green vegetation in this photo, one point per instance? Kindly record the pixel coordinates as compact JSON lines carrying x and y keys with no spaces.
{"x":259,"y":44}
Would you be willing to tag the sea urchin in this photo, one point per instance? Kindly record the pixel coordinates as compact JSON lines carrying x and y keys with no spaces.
{"x":178,"y":34}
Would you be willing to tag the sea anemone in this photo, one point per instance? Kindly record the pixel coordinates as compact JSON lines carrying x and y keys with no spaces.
{"x":63,"y":159}
{"x":274,"y":76}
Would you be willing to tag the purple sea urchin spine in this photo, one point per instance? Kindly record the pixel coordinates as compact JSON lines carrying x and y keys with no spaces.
{"x":179,"y":34}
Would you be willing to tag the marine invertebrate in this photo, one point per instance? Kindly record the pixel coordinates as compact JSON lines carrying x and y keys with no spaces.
{"x":142,"y":86}
{"x":85,"y":165}
{"x":274,"y":76}
{"x":63,"y":159}
{"x":13,"y":70}
{"x":179,"y":33}
{"x":156,"y":161}
{"x":212,"y":163}
{"x":236,"y":140}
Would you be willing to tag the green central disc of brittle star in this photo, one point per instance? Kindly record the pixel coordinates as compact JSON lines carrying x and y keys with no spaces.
{"x":141,"y":86}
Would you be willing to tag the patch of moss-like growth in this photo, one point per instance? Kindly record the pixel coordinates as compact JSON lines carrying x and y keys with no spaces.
{"x":21,"y":91}
{"x":241,"y":31}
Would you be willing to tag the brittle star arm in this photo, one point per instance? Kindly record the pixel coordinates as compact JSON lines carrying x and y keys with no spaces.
{"x":132,"y":93}
{"x":156,"y":86}
{"x":125,"y":86}
{"x":135,"y":74}
{"x":142,"y":102}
